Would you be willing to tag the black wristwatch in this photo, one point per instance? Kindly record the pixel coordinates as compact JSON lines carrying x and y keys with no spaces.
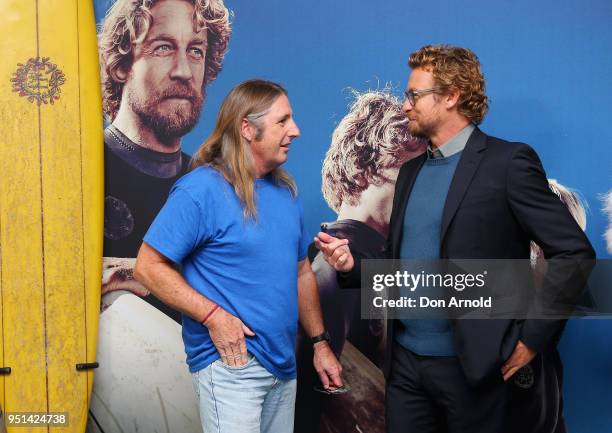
{"x":322,"y":337}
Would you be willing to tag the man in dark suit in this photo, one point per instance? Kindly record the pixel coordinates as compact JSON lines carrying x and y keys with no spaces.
{"x":470,"y":196}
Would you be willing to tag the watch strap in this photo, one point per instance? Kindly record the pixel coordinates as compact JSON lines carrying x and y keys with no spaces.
{"x":322,"y":337}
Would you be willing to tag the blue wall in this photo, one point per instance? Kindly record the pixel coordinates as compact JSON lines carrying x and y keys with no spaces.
{"x":548,"y":66}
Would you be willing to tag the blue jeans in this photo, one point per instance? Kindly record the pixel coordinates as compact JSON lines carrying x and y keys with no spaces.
{"x":246,"y":399}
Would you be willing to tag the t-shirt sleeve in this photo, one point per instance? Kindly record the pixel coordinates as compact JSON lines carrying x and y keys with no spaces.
{"x":179,"y":228}
{"x":304,"y":236}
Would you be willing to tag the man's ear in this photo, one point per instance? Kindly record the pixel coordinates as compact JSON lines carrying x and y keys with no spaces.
{"x":451,"y":99}
{"x":120,"y":74}
{"x":246,"y":130}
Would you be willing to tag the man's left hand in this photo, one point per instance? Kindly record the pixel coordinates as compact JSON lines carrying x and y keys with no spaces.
{"x":521,"y":356}
{"x":327,"y":366}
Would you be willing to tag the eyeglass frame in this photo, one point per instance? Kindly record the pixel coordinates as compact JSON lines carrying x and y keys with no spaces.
{"x":413,"y":95}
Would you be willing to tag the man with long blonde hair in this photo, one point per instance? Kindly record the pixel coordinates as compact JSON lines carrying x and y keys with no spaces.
{"x":236,"y":227}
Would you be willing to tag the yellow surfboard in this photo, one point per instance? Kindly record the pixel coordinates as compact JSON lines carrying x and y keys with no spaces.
{"x":51,"y":212}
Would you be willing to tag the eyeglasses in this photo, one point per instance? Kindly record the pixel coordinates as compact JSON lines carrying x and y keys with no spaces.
{"x":413,"y":95}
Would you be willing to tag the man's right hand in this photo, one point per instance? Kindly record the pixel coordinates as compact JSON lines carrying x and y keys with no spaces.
{"x":228,"y":335}
{"x":335,"y":251}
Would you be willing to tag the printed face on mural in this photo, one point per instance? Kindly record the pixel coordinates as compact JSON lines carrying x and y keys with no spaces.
{"x":164,"y":85}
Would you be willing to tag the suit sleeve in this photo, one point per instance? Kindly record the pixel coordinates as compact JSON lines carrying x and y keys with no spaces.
{"x":548,"y":222}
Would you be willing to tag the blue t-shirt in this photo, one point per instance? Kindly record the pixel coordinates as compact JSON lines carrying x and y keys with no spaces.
{"x":248,"y":267}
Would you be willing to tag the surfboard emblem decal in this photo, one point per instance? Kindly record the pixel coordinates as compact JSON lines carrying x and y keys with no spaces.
{"x":38,"y":80}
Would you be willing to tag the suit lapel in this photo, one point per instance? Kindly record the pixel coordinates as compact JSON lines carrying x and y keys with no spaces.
{"x":467,"y":166}
{"x":405,"y":182}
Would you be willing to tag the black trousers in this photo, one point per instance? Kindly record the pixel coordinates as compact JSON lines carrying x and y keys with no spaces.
{"x":429,"y":394}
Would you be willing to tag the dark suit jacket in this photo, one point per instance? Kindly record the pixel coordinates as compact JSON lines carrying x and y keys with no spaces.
{"x":498,"y":201}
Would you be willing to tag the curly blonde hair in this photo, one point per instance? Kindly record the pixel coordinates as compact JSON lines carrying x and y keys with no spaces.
{"x":456,"y":68}
{"x":127,"y":23}
{"x":371,"y":138}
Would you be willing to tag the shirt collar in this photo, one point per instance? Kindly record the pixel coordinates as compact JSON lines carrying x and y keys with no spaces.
{"x":454,"y":145}
{"x":150,"y":162}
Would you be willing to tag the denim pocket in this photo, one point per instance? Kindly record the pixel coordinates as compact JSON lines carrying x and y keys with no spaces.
{"x":250,"y":358}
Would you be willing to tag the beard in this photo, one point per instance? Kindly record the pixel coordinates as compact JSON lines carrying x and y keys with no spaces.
{"x":427,"y":124}
{"x":422,"y":132}
{"x":171,"y":123}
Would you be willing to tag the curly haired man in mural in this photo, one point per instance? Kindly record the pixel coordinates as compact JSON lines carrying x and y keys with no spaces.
{"x":368,"y":146}
{"x":156,"y":57}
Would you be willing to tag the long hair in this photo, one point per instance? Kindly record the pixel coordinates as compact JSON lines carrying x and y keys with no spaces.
{"x":127,"y":23}
{"x":229,"y":153}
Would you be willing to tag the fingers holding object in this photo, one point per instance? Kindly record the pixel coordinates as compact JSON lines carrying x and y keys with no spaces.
{"x":339,"y":257}
{"x":336,"y":379}
{"x":328,"y":244}
{"x":333,"y":252}
{"x":324,"y":378}
{"x":324,"y":237}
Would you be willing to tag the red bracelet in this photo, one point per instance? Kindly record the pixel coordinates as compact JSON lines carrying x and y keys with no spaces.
{"x":210,"y":313}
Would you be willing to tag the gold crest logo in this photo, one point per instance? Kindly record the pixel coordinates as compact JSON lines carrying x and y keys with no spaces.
{"x":39,"y":80}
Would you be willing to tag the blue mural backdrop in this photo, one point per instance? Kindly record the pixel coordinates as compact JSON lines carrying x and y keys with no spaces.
{"x":547,"y":66}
